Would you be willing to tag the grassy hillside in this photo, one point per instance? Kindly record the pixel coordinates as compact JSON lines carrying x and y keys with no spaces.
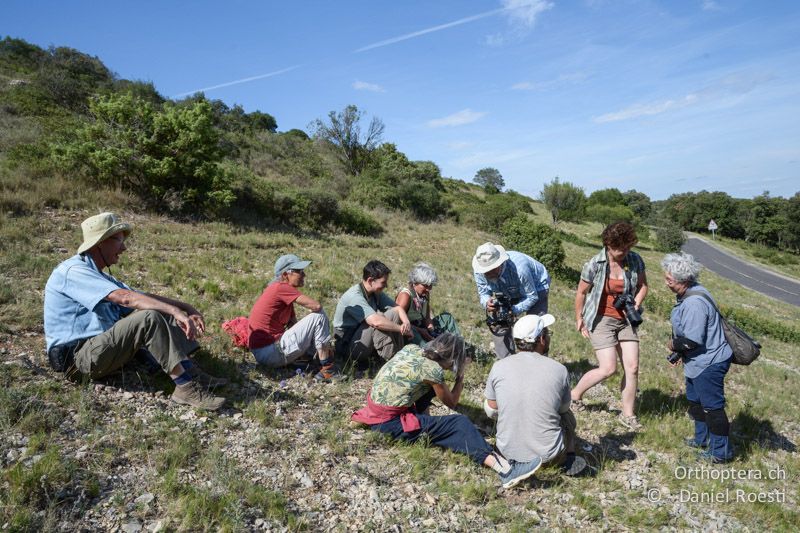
{"x":109,"y":454}
{"x":118,"y":454}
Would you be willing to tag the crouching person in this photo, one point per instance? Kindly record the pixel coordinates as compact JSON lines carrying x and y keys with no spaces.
{"x":368,"y":323}
{"x":94,"y":323}
{"x":529,"y":394}
{"x":277,"y":338}
{"x":398,"y":403}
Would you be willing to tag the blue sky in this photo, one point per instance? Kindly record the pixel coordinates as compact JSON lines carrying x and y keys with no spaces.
{"x":658,"y":96}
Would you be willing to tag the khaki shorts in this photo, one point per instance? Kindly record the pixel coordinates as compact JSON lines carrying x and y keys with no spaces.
{"x":610,"y":332}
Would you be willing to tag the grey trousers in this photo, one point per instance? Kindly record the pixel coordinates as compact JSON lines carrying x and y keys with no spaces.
{"x":368,"y":341}
{"x":158,"y":333}
{"x":568,"y":428}
{"x":502,"y":337}
{"x":310,"y":334}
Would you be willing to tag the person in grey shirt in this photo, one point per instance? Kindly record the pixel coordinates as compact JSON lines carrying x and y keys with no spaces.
{"x":529,"y":394}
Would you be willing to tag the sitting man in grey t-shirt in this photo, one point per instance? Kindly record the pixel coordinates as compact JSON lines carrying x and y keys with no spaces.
{"x":529,"y":394}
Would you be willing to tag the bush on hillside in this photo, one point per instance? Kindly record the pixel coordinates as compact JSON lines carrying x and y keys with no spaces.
{"x":607,"y":214}
{"x":394,"y":182}
{"x":352,"y":219}
{"x":537,"y":240}
{"x":169,"y":157}
{"x":669,"y":238}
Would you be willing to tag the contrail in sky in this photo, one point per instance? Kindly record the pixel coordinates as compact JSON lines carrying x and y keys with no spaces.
{"x":431,"y":30}
{"x":237,"y":82}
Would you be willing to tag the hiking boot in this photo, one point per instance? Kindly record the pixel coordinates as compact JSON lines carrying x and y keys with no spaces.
{"x":328,"y":372}
{"x":630,"y":422}
{"x":574,"y":466}
{"x":195,"y":395}
{"x":519,"y":472}
{"x":206,"y":380}
{"x":577,"y":406}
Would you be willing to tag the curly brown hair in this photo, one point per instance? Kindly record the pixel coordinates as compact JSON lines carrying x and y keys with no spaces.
{"x":619,"y":235}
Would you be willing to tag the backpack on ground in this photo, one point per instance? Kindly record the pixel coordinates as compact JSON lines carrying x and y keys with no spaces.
{"x":745,"y":348}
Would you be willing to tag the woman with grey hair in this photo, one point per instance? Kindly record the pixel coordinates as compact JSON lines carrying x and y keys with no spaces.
{"x":698,"y":343}
{"x":398,"y":403}
{"x":415,"y":300}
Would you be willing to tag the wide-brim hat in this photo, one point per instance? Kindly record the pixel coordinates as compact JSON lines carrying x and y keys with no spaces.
{"x":98,"y":228}
{"x":488,"y":256}
{"x":530,"y":327}
{"x":289,"y":262}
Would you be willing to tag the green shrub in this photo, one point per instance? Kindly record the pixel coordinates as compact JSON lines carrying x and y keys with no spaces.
{"x":313,"y":208}
{"x":421,"y":199}
{"x":170,"y":158}
{"x":352,"y":219}
{"x":669,"y":238}
{"x":537,"y":240}
{"x":607,"y":214}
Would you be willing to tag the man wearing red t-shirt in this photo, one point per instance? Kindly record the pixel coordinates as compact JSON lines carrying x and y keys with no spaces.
{"x":277,"y":338}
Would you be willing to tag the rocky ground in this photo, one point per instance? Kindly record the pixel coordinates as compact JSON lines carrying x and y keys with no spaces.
{"x":289,"y":437}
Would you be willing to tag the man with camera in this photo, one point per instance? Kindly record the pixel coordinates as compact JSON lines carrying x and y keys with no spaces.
{"x":94,"y":323}
{"x":509,"y":284}
{"x":529,"y":395}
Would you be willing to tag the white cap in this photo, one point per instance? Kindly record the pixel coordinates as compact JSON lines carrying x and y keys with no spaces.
{"x":529,"y":327}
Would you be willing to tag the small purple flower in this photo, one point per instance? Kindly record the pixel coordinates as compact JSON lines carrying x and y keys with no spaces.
{"x":283,"y":384}
{"x":298,"y":372}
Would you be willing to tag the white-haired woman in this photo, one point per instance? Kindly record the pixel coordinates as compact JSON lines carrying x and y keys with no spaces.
{"x":415,"y":300}
{"x":699,"y":344}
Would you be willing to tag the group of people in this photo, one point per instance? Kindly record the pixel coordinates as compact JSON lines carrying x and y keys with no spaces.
{"x":94,"y":324}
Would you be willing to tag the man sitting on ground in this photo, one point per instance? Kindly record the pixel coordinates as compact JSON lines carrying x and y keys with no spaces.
{"x":94,"y":323}
{"x":368,"y":322}
{"x":529,"y":394}
{"x":276,"y":337}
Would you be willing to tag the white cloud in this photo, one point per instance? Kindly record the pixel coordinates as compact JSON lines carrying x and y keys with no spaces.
{"x":731,"y":85}
{"x":573,"y":77}
{"x":710,"y":5}
{"x":521,"y":16}
{"x":364,"y":86}
{"x":426,"y":31}
{"x":465,"y":116}
{"x":524,"y":12}
{"x":641,"y":110}
{"x":237,"y":82}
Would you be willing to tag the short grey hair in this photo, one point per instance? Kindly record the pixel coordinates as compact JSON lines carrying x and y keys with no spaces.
{"x":682,"y":267}
{"x":424,"y":274}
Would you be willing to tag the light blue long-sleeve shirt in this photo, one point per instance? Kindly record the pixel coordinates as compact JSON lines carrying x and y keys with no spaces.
{"x":521,"y":279}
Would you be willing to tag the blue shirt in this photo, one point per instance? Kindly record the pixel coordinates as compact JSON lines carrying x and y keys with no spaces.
{"x":521,"y":279}
{"x":74,"y":301}
{"x":695,"y":319}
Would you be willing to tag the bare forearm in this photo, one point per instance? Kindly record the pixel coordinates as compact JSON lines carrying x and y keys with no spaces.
{"x":144,"y":301}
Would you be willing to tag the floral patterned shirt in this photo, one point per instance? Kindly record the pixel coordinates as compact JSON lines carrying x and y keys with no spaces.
{"x":401,"y":381}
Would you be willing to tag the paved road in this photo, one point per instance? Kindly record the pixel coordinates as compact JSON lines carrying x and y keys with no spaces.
{"x":734,"y":269}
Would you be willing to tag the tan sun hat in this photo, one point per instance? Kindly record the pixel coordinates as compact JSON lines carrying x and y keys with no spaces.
{"x":488,"y":256}
{"x":98,"y":228}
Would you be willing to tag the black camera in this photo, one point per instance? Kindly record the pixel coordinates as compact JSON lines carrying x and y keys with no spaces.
{"x":626,"y":303}
{"x":502,"y":316}
{"x":674,"y":357}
